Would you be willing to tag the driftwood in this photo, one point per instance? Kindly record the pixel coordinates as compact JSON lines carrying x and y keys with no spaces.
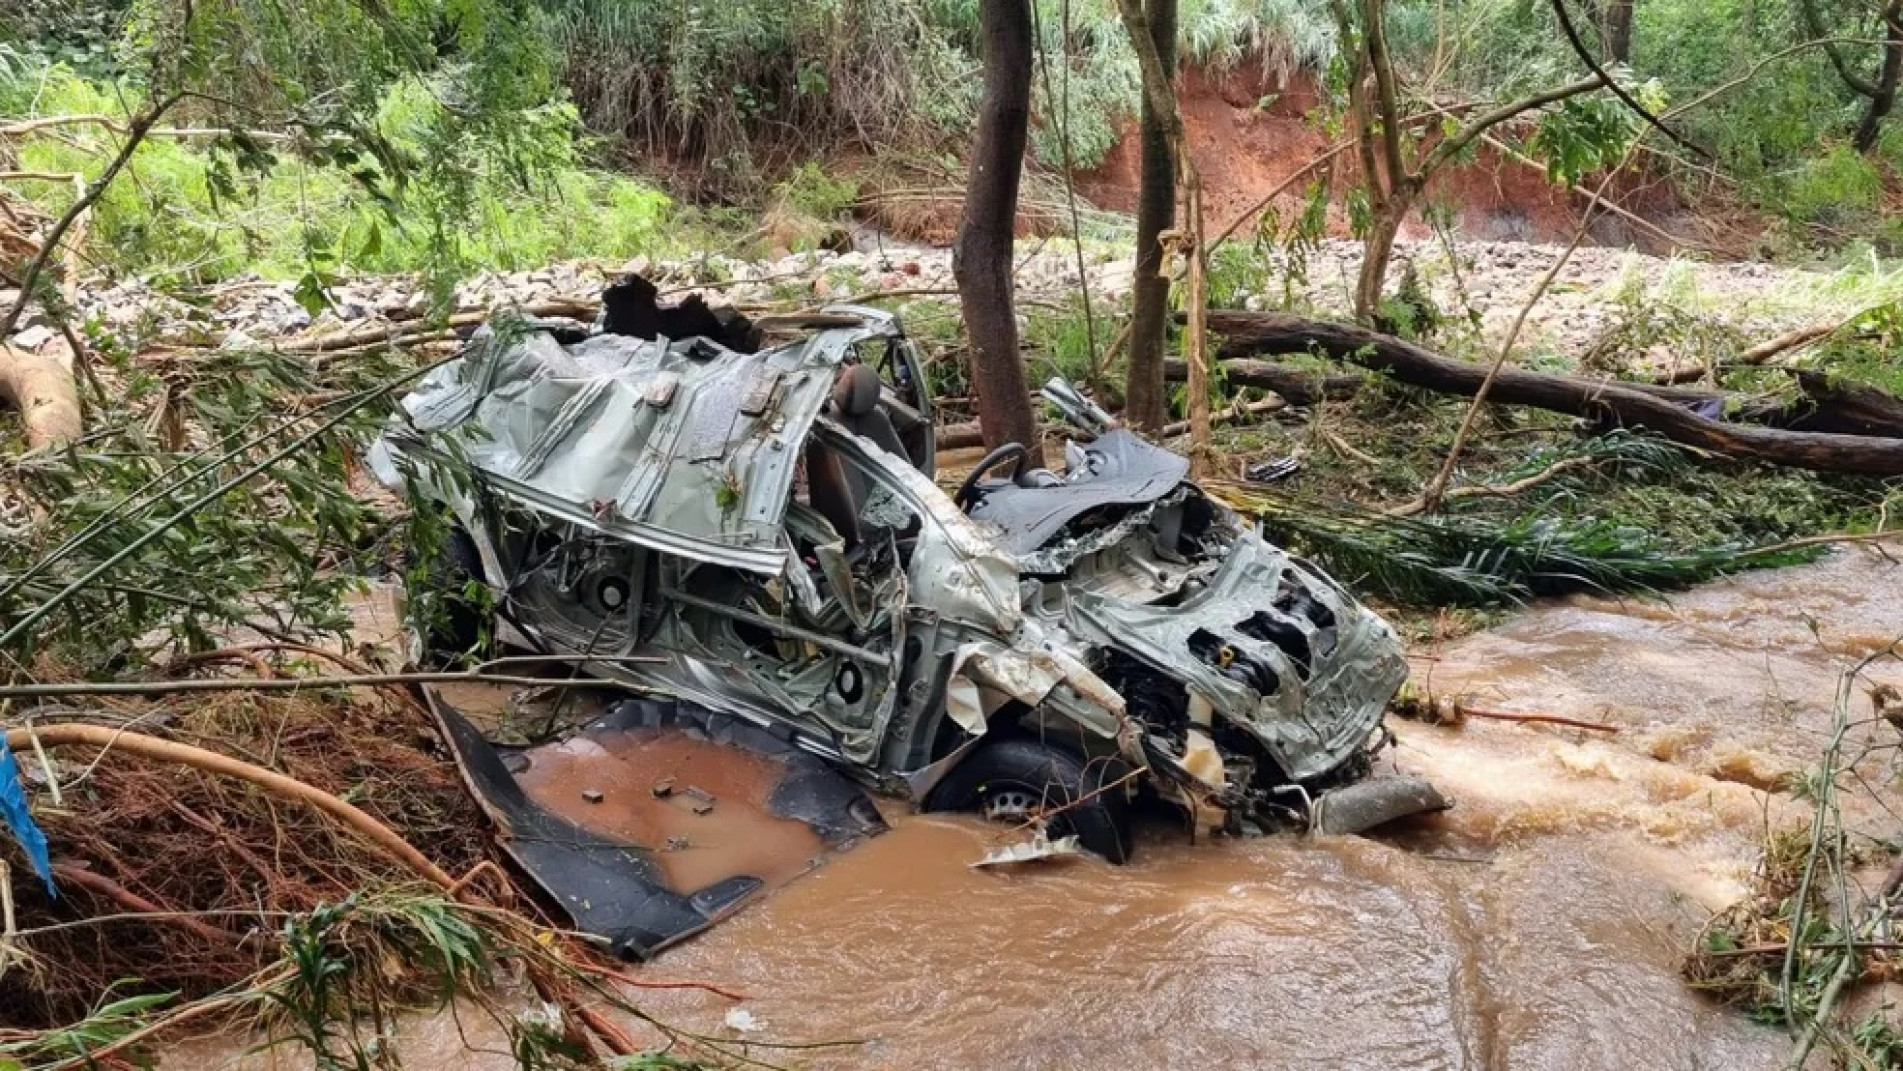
{"x":1664,"y":410}
{"x":41,"y":388}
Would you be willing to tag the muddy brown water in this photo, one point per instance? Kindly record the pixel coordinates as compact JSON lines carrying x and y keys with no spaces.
{"x":1538,"y":925}
{"x":701,"y":806}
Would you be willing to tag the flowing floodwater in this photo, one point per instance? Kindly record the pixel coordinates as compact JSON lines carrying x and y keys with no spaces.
{"x":1538,"y":925}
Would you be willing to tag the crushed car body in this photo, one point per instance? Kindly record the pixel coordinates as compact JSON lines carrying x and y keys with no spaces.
{"x":756,"y":529}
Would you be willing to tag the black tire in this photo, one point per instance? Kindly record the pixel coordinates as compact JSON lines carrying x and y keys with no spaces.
{"x":1049,"y":777}
{"x":460,"y":624}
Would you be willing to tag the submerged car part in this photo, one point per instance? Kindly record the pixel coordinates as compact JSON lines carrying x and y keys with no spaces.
{"x":659,"y":818}
{"x":1376,"y":801}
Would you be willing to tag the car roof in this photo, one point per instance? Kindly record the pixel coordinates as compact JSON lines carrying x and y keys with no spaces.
{"x":682,"y":445}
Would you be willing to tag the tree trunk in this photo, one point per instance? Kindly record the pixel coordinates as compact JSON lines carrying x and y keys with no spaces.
{"x":981,"y":258}
{"x":41,"y":388}
{"x":1614,"y":404}
{"x":1156,"y":213}
{"x":1883,"y":101}
{"x":1377,"y":249}
{"x":1615,"y":26}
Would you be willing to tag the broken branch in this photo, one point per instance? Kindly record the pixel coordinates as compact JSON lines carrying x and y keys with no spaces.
{"x":1252,"y":334}
{"x":284,"y":684}
{"x":93,"y":881}
{"x":44,"y":393}
{"x":1505,"y":490}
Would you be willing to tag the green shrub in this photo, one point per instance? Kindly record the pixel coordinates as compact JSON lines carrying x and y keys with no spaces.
{"x":810,"y":191}
{"x":1837,"y":188}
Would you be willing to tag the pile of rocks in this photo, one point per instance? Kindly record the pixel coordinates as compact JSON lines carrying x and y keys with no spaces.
{"x":1495,"y":278}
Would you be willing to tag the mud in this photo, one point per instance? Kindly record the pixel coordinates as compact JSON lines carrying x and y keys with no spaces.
{"x":1538,"y":925}
{"x":1251,"y":130}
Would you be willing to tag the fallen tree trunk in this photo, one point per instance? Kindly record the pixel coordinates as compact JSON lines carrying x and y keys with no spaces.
{"x":1617,"y":404}
{"x":1843,"y":408}
{"x":1297,"y":387}
{"x":42,"y":389}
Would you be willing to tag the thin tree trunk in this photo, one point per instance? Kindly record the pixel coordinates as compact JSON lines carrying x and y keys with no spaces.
{"x":981,"y":258}
{"x":1196,"y":340}
{"x":1883,"y":101}
{"x":1156,"y":213}
{"x":1616,"y":28}
{"x":1377,"y":249}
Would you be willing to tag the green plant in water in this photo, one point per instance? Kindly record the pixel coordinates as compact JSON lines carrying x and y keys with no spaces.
{"x":348,"y":964}
{"x":111,"y":1021}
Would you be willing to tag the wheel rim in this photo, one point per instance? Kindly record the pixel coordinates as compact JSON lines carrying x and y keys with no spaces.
{"x":1009,"y":803}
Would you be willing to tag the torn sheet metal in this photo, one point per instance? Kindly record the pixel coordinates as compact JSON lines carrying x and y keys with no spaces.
{"x":1040,"y":846}
{"x":1118,"y":468}
{"x":682,"y":446}
{"x":659,"y":818}
{"x":985,"y":675}
{"x":1310,"y":678}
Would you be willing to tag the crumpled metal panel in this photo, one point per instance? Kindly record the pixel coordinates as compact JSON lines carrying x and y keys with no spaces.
{"x":683,"y":446}
{"x":985,"y":674}
{"x":1309,"y":726}
{"x":1115,"y":468}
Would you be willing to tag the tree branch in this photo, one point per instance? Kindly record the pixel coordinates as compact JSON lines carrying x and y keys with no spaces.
{"x":1375,"y":38}
{"x":1157,"y":82}
{"x":1586,"y":57}
{"x":1466,"y":135}
{"x":135,"y":133}
{"x":151,"y":747}
{"x":107,"y":122}
{"x":1814,"y":25}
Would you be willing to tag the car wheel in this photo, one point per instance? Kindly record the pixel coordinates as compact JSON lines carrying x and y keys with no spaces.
{"x":459,"y":624}
{"x":1017,"y":778}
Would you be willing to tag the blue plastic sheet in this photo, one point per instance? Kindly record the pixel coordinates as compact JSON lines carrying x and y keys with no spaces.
{"x":19,"y":817}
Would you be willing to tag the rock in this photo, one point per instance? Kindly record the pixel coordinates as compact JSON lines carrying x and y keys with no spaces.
{"x":33,"y":337}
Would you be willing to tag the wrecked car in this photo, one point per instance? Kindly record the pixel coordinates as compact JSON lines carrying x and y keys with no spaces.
{"x":754,"y":528}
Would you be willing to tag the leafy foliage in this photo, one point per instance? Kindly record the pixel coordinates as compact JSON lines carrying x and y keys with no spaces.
{"x":204,"y":497}
{"x":1582,"y":136}
{"x":199,"y":212}
{"x":745,"y":88}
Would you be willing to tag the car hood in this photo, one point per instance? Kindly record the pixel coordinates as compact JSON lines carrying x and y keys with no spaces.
{"x":684,"y":446}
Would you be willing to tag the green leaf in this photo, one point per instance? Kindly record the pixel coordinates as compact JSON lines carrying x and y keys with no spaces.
{"x":310,"y":292}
